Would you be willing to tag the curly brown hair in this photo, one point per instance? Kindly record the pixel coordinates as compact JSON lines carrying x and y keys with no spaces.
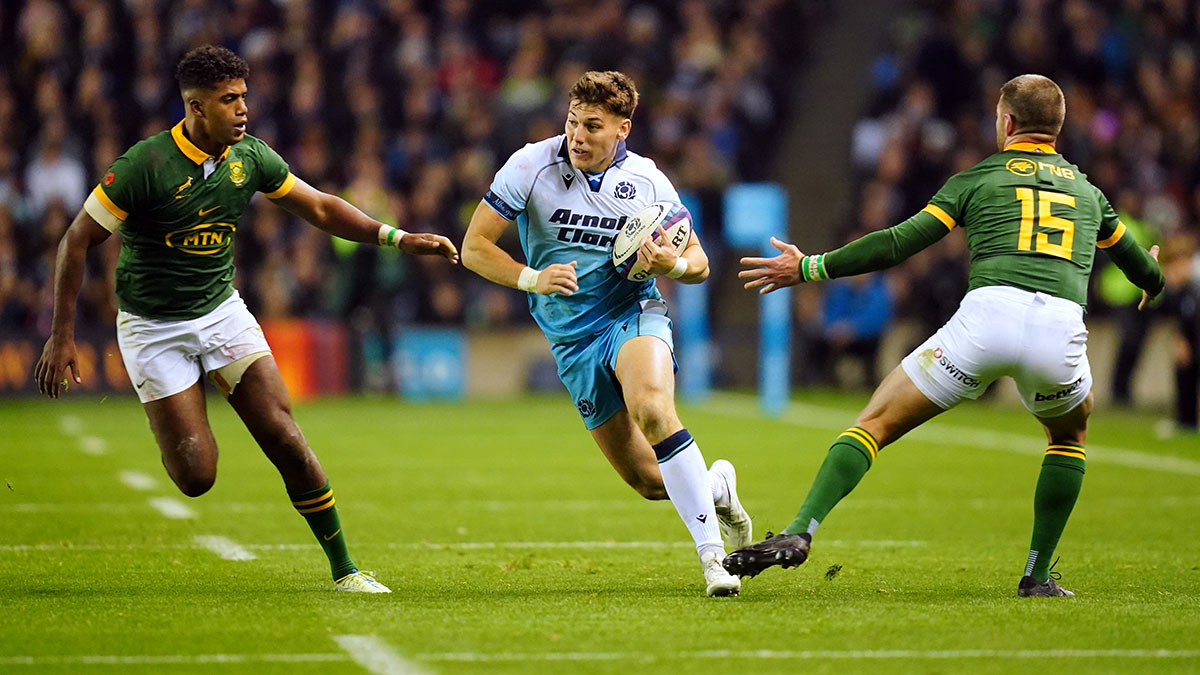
{"x":610,"y":90}
{"x":206,"y":67}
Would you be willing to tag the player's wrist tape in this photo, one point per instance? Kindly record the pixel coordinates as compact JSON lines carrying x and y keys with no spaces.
{"x":812,"y":268}
{"x":528,"y":280}
{"x":390,"y":236}
{"x":680,"y":268}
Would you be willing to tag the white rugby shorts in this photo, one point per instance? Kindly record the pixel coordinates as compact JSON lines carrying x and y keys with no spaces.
{"x":165,"y":357}
{"x":1037,"y":339}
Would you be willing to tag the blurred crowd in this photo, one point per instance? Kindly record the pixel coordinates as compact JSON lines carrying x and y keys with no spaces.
{"x":1129,"y":72}
{"x":406,"y":108}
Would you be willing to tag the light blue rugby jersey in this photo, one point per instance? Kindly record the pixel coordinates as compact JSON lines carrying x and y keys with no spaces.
{"x":561,"y":217}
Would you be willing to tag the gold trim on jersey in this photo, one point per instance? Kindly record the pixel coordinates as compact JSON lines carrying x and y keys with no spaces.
{"x":108,"y":204}
{"x":189,"y":148}
{"x":937,"y":212}
{"x":101,"y":213}
{"x":1029,"y":146}
{"x":1114,"y":238}
{"x":288,"y":184}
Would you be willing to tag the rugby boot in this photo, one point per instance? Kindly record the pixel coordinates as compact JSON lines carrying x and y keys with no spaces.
{"x":785,"y":550}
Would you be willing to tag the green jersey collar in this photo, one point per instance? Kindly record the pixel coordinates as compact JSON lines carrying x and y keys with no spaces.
{"x":189,"y":148}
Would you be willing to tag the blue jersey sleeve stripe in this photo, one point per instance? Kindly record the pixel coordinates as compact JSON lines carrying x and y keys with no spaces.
{"x":506,"y":211}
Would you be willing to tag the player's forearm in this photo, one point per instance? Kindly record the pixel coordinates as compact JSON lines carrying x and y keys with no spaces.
{"x":342,"y":219}
{"x":485,"y":258}
{"x":697,"y":265}
{"x":1138,"y":266}
{"x":878,"y":250}
{"x":69,"y":266}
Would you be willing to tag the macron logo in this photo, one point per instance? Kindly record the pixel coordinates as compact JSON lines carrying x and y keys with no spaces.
{"x":568,"y":178}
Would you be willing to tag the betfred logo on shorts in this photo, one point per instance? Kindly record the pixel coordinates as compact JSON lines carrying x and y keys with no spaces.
{"x":936,"y":355}
{"x":1071,"y":389}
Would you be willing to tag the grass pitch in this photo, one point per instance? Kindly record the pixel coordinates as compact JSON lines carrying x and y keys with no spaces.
{"x":513,"y":547}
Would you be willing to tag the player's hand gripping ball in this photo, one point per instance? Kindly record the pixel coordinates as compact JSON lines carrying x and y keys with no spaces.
{"x":676,"y":223}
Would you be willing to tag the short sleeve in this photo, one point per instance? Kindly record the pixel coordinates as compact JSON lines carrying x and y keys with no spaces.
{"x":276,"y":179}
{"x":947,"y":204}
{"x":1112,"y":230}
{"x":509,"y":192}
{"x":122,"y":191}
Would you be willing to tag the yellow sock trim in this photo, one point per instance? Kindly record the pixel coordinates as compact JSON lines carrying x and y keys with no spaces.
{"x":307,"y":502}
{"x":1075,"y":451}
{"x":318,"y":508}
{"x":863,"y":437}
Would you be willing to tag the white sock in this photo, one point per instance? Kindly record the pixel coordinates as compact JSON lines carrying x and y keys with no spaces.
{"x":720,"y":490}
{"x":690,"y":489}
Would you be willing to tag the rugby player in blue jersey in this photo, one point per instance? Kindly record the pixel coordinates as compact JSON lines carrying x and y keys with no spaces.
{"x":610,"y":337}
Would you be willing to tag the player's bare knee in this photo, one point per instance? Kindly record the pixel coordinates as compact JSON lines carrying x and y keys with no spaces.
{"x":195,"y":485}
{"x":654,"y":415}
{"x":191,"y":466}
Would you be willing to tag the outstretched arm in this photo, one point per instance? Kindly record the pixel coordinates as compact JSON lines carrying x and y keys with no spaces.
{"x":58,"y":356}
{"x":875,"y":251}
{"x":341,"y":219}
{"x":1140,"y":266}
{"x":482,"y":256}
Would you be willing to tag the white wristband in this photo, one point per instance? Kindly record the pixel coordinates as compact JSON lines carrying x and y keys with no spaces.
{"x":390,"y":236}
{"x":528,"y":280}
{"x":680,"y":268}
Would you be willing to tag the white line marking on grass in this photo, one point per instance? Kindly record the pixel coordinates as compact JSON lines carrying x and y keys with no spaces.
{"x":376,"y":655}
{"x":224,"y":547}
{"x":137,"y":480}
{"x":93,"y":445}
{"x":70,"y":425}
{"x":478,"y":657}
{"x":771,"y":654}
{"x":172,"y":508}
{"x":168,"y":659}
{"x":836,"y":419}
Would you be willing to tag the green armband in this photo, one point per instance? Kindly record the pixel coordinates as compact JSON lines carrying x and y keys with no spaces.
{"x":812,"y":268}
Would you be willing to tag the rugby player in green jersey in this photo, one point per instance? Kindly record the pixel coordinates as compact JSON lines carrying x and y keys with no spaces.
{"x":1032,"y":224}
{"x":176,"y":199}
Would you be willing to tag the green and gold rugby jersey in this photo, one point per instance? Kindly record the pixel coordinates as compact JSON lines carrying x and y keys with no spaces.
{"x":1032,"y":221}
{"x":177,"y":210}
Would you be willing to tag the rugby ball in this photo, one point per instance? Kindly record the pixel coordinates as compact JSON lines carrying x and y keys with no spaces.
{"x":676,"y":222}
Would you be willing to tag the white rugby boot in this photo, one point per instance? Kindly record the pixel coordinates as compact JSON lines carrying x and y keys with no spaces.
{"x":736,"y":528}
{"x":719,"y":582}
{"x":361,"y":582}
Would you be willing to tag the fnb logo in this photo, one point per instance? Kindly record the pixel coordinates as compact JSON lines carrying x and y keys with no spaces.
{"x":205,"y":239}
{"x":587,"y":229}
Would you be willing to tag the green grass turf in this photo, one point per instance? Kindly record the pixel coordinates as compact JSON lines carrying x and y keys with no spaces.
{"x":931,"y":546}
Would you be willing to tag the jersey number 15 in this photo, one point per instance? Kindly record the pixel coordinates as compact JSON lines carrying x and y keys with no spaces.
{"x":1037,"y":222}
